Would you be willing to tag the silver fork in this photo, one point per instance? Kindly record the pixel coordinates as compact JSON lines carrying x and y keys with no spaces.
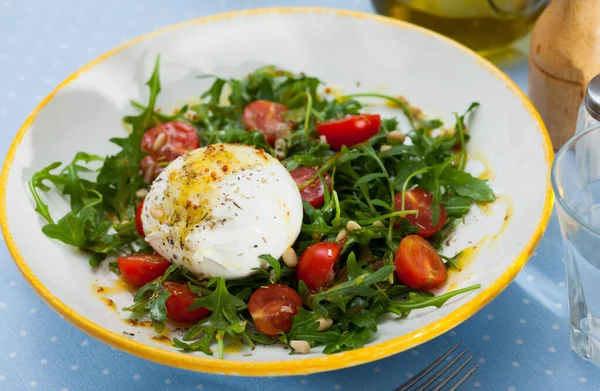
{"x":443,"y":381}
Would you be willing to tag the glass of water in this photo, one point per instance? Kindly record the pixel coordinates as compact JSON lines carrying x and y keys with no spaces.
{"x":576,"y":183}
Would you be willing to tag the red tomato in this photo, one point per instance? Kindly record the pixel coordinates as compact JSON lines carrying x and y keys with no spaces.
{"x":181,"y":137}
{"x":140,"y":269}
{"x":352,"y":130}
{"x":314,"y":193}
{"x":180,"y":300}
{"x":138,"y":220}
{"x":267,"y":117}
{"x":272,"y":308}
{"x":420,"y":200}
{"x":418,"y":265}
{"x":315,"y":266}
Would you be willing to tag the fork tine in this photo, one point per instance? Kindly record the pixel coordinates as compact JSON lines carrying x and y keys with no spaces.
{"x":463,"y":379}
{"x":441,"y":371}
{"x":425,"y":371}
{"x":452,"y":375}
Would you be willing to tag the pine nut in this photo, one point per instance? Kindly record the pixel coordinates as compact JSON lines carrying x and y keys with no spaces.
{"x":352,"y":226}
{"x":148,"y":174}
{"x":141,"y":193}
{"x":341,"y":236}
{"x":157,"y":213}
{"x":159,"y":142}
{"x":396,"y":135}
{"x":378,"y":224}
{"x":324,"y":324}
{"x":323,"y":139}
{"x":300,"y":346}
{"x":280,"y":148}
{"x":384,"y":148}
{"x":290,"y":258}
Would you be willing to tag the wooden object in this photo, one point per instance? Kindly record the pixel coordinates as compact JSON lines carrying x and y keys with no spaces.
{"x":564,"y":57}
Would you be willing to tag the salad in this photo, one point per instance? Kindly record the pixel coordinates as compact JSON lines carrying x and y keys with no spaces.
{"x":271,"y":212}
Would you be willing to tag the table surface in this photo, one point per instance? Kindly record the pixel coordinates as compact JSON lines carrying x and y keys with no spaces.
{"x":520,"y":339}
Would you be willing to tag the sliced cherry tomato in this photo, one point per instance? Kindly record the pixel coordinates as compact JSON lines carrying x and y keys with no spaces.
{"x":272,"y":308}
{"x":140,"y":269}
{"x":267,"y":117}
{"x":421,"y":200}
{"x":314,"y":193}
{"x":180,"y":300}
{"x":138,"y":220}
{"x":418,"y":265}
{"x":181,"y":137}
{"x":352,"y":130}
{"x":315,"y":266}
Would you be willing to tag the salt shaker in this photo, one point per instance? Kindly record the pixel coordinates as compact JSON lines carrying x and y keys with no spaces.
{"x":589,"y":111}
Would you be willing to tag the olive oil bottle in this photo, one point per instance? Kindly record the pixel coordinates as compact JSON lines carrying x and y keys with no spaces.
{"x":487,"y":26}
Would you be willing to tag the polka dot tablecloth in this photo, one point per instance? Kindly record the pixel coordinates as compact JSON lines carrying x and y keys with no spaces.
{"x":520,"y":340}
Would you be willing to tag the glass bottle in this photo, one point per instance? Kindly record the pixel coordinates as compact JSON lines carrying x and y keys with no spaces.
{"x":487,"y":26}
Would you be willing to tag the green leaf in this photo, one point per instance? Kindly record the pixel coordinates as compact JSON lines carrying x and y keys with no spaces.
{"x":202,"y":345}
{"x":354,"y":338}
{"x":71,"y":228}
{"x":354,"y":271}
{"x":415,"y":301}
{"x":465,"y":185}
{"x":340,"y":294}
{"x":224,"y":320}
{"x":215,"y":91}
{"x":457,"y":206}
{"x":158,"y":311}
{"x":151,"y":298}
{"x":304,"y":327}
{"x":119,"y":178}
{"x":382,"y":204}
{"x":368,"y":178}
{"x":275,"y":268}
{"x":37,"y":182}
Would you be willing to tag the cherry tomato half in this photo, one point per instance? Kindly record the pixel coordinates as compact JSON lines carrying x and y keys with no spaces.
{"x":179,"y":138}
{"x":315,"y":266}
{"x":272,"y":308}
{"x":140,"y":269}
{"x":267,"y":117}
{"x":418,"y":265}
{"x":352,"y":130}
{"x":180,"y":300}
{"x":138,"y":220}
{"x":421,"y":200}
{"x":314,"y":193}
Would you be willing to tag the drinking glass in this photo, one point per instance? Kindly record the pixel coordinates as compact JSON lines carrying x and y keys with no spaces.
{"x":576,"y":183}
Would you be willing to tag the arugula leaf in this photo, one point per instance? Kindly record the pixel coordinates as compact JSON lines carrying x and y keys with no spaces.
{"x":215,"y":91}
{"x":457,"y":206}
{"x":224,"y":320}
{"x":37,"y":182}
{"x":71,"y":228}
{"x":151,"y":298}
{"x":275,"y":275}
{"x":354,"y":338}
{"x":305,"y":327}
{"x":339,"y":295}
{"x":466,"y":185}
{"x":119,"y":178}
{"x":416,"y":301}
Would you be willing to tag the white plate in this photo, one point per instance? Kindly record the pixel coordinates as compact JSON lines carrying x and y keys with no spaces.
{"x":340,"y":47}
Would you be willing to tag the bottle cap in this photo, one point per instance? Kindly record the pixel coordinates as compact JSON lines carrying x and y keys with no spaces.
{"x":592,"y":98}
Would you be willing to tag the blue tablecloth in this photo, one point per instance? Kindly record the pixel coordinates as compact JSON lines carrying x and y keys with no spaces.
{"x":520,"y":340}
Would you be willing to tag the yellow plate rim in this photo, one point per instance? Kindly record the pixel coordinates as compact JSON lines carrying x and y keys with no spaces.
{"x":300,"y":366}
